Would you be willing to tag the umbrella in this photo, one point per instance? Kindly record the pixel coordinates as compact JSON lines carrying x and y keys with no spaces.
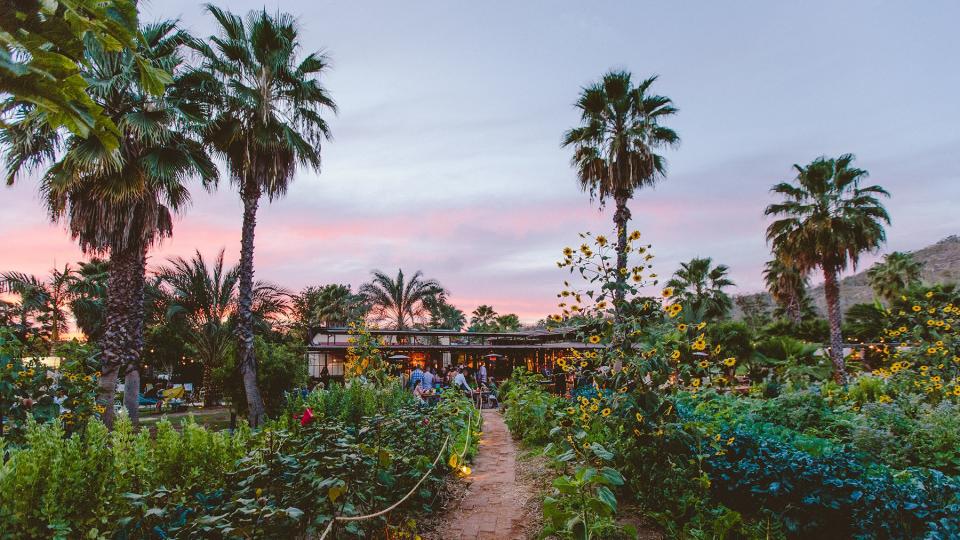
{"x":493,"y":356}
{"x":398,"y":358}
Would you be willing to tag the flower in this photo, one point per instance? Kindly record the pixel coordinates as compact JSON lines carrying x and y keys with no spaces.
{"x":675,"y":355}
{"x":916,"y":308}
{"x":695,"y":383}
{"x":601,"y":240}
{"x":704,"y":364}
{"x":606,"y":411}
{"x":682,"y":327}
{"x":729,"y":362}
{"x":568,"y":252}
{"x":634,"y":236}
{"x":594,"y":339}
{"x":640,"y":416}
{"x":668,"y":292}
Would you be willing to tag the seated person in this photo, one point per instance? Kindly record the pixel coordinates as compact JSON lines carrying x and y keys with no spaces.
{"x":419,"y":392}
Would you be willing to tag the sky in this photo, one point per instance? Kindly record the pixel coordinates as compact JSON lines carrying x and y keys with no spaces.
{"x":446,"y":152}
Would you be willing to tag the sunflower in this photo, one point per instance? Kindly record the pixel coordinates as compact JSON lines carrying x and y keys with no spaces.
{"x":729,"y":362}
{"x":606,"y":411}
{"x":668,"y":292}
{"x":704,"y":364}
{"x":594,"y":339}
{"x":675,"y":355}
{"x":682,"y":327}
{"x":634,"y":236}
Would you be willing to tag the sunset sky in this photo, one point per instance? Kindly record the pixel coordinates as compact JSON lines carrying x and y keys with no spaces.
{"x":446,"y":154}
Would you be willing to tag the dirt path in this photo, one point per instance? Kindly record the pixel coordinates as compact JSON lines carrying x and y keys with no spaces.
{"x":492,"y":507}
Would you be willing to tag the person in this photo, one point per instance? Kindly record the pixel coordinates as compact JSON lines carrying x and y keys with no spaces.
{"x":482,"y":374}
{"x":416,"y":377}
{"x":459,"y":381}
{"x":560,"y":383}
{"x":428,"y":377}
{"x":419,"y":392}
{"x":325,"y":376}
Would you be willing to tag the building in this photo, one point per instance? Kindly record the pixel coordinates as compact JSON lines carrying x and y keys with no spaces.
{"x":500,"y":352}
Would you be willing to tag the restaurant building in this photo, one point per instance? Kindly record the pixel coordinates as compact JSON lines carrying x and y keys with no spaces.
{"x":500,"y":352}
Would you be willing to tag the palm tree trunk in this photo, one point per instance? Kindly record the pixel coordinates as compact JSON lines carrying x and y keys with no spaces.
{"x":248,"y":361}
{"x":123,"y":332}
{"x":794,"y":310}
{"x":620,"y":219}
{"x":831,"y":290}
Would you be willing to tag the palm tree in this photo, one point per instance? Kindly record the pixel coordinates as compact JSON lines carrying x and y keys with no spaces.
{"x":788,"y":287}
{"x":483,"y":319}
{"x":614,"y":149}
{"x":89,"y":293}
{"x":699,"y":285}
{"x":48,"y":299}
{"x":898,"y":272}
{"x":444,"y":315}
{"x":330,"y":305}
{"x":400,"y":301}
{"x":119,"y":202}
{"x":827,"y":219}
{"x":508,"y":323}
{"x":265,"y":122}
{"x":203,"y":298}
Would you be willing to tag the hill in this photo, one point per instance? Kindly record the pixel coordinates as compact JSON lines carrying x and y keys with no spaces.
{"x":941,"y":264}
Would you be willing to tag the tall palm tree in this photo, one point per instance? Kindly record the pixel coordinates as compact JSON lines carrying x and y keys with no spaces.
{"x":266,"y":121}
{"x":331,"y":305}
{"x":700,"y":288}
{"x":614,"y":149}
{"x":120,"y":201}
{"x":827,"y":219}
{"x":898,"y":272}
{"x":400,"y":301}
{"x":788,"y":287}
{"x":203,"y":297}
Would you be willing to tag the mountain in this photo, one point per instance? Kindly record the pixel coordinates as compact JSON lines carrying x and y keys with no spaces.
{"x":941,"y":264}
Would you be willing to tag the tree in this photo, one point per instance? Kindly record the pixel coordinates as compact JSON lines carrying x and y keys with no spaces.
{"x":788,"y":287}
{"x":444,"y":315}
{"x":43,"y":301}
{"x":614,"y":149}
{"x":827,"y":219}
{"x":120,"y":201}
{"x":508,"y":323}
{"x":483,"y":319}
{"x":89,"y":293}
{"x":698,"y":285}
{"x":330,"y":305}
{"x":203,"y":297}
{"x":399,"y":301}
{"x":266,"y":121}
{"x":43,"y":49}
{"x":891,"y":278}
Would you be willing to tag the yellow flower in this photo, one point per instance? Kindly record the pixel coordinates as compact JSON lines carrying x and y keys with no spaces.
{"x":929,"y":294}
{"x":675,"y":355}
{"x":568,"y":252}
{"x":668,"y":292}
{"x":695,"y":383}
{"x":584,"y":363}
{"x":634,"y":236}
{"x":682,"y":327}
{"x":916,"y":308}
{"x":606,"y":411}
{"x":729,"y":362}
{"x":571,"y":410}
{"x":594,"y":339}
{"x":699,"y":345}
{"x":601,"y":240}
{"x":704,"y":364}
{"x":640,"y":416}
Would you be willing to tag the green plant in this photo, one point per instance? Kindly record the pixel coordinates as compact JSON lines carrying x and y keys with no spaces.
{"x":582,"y":505}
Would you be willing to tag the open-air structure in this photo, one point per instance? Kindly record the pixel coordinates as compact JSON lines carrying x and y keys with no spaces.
{"x":501,"y":352}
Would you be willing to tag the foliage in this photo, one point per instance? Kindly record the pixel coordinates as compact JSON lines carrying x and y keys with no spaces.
{"x":485,"y":319}
{"x":788,"y":287}
{"x":29,"y":391}
{"x":42,"y":53}
{"x":330,"y":305}
{"x":364,"y":357}
{"x":443,"y":315}
{"x":699,"y":286}
{"x":280,"y":371}
{"x":66,"y":486}
{"x":897,"y":273}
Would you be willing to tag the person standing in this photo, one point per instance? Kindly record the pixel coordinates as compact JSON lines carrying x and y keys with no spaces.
{"x":416,"y":377}
{"x":482,"y":374}
{"x":428,"y":377}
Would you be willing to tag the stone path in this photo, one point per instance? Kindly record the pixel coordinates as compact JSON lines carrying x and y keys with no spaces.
{"x":492,"y":508}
